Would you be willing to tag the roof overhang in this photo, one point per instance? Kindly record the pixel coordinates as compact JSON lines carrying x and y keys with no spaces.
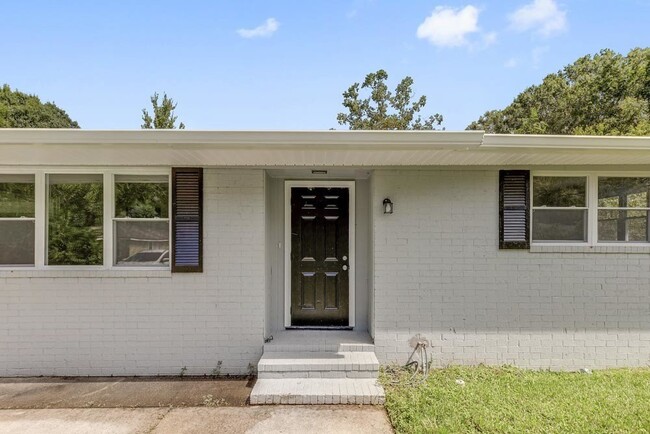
{"x":73,"y":147}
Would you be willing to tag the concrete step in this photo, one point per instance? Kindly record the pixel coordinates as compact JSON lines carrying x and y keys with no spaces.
{"x":276,"y":365}
{"x":317,"y":391}
{"x":319,"y":341}
{"x":319,"y":347}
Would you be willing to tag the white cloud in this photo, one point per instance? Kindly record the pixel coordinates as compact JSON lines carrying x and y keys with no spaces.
{"x":511,"y":63}
{"x":448,"y":27}
{"x":265,"y":30}
{"x":542,"y":16}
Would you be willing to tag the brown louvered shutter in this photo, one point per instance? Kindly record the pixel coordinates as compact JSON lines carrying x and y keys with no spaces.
{"x":187,"y":220}
{"x":514,"y":206}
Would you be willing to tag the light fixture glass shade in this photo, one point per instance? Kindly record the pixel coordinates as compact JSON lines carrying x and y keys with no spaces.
{"x":388,"y":206}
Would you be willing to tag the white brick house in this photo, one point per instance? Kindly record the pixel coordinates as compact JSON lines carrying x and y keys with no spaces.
{"x":294,"y":235}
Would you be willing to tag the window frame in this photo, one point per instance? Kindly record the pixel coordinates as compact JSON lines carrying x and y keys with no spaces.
{"x":114,"y":220}
{"x":23,"y":219}
{"x":592,"y":207}
{"x":560,"y":208}
{"x":41,"y":217}
{"x":618,"y":208}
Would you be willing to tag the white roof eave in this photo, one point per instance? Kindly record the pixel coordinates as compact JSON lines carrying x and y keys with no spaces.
{"x":332,"y":139}
{"x":556,"y":142}
{"x":63,"y":147}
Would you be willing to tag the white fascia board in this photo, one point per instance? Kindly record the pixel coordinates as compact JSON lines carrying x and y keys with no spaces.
{"x":190,"y":139}
{"x":558,"y":143}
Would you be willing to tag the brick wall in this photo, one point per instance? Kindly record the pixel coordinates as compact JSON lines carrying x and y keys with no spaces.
{"x":438,"y":272}
{"x":148,"y":322}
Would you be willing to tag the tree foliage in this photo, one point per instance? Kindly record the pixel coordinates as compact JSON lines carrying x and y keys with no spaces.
{"x":604,"y":94}
{"x":75,"y":221}
{"x":20,"y":110}
{"x":163,"y":114}
{"x":383,"y":109}
{"x":141,"y":200}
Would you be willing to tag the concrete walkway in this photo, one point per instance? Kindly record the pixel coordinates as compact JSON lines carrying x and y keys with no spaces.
{"x":222,"y":420}
{"x":166,"y":405}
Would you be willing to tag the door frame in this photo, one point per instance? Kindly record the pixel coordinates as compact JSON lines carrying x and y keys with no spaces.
{"x":350,"y":185}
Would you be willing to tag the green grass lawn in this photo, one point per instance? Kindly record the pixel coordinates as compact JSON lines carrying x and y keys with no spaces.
{"x":511,"y":400}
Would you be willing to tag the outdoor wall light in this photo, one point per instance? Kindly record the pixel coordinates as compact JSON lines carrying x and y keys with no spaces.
{"x":388,"y":206}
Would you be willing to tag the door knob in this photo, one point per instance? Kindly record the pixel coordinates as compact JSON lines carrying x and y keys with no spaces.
{"x":345,"y":267}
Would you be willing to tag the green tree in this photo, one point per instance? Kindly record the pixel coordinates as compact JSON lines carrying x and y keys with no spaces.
{"x":383,"y":109}
{"x":75,"y":219}
{"x":604,"y":94}
{"x":20,"y":110}
{"x":163,"y":114}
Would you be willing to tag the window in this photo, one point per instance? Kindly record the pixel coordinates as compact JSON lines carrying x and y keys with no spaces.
{"x":560,"y":209}
{"x":102,"y":218}
{"x":623,"y":209}
{"x":141,"y":221}
{"x":17,"y":220}
{"x":75,"y":219}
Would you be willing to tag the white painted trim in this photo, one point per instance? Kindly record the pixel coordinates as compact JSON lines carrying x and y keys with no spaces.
{"x":156,"y":139}
{"x":109,"y":205}
{"x":41,"y":219}
{"x":350,"y":185}
{"x":555,"y":143}
{"x":329,"y":139}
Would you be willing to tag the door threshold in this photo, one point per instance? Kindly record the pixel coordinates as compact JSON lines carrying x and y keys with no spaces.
{"x":319,"y":328}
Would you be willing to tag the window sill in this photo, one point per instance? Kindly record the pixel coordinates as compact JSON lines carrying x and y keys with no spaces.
{"x":555,"y":248}
{"x":63,"y":273}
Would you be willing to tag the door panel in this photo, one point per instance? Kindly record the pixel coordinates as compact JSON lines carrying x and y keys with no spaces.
{"x":320,"y":256}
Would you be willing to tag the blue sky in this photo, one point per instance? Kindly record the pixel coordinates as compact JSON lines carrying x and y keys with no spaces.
{"x":284,"y":64}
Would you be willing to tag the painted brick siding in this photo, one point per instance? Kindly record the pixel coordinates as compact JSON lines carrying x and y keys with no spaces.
{"x":438,"y":272}
{"x":149,"y":323}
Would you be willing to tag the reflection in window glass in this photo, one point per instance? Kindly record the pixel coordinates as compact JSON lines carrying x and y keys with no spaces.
{"x":16,"y":242}
{"x":75,"y":212}
{"x":623,"y":225}
{"x":623,"y":209}
{"x":559,"y":209}
{"x":559,"y":191}
{"x":142,"y":243}
{"x":623,"y":192}
{"x":141,"y":196}
{"x":141,"y":221}
{"x":16,"y":196}
{"x":17,"y":220}
{"x":560,"y":225}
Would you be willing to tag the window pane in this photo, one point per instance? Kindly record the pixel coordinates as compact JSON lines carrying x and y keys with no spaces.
{"x":623,"y":192}
{"x":141,"y":196}
{"x":142,"y":243}
{"x":16,"y":242}
{"x":16,"y":196}
{"x":559,"y":225}
{"x":622,"y":225}
{"x":559,"y":191}
{"x":75,"y":210}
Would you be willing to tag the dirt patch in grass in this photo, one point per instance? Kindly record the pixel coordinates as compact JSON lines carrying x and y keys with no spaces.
{"x":510,"y":400}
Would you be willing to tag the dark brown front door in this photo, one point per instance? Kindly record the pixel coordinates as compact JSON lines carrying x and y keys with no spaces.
{"x":320,"y":256}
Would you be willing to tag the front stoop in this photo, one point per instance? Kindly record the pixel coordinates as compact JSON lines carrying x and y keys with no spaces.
{"x":318,"y":367}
